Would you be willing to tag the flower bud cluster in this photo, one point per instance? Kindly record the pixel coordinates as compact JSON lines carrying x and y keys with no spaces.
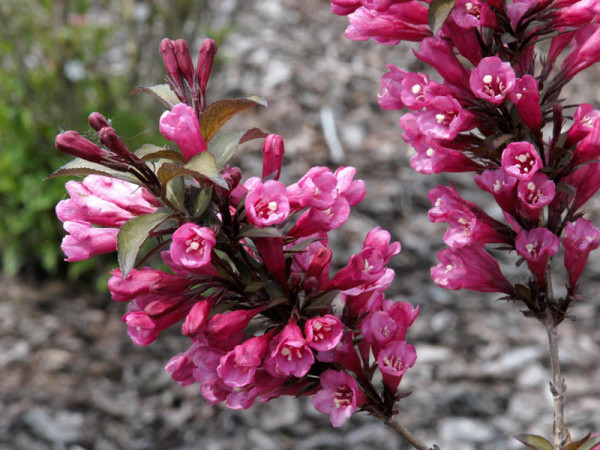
{"x":245,"y":264}
{"x":496,"y":112}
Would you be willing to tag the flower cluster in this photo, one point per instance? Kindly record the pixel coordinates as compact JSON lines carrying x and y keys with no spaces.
{"x":489,"y":114}
{"x":246,"y":263}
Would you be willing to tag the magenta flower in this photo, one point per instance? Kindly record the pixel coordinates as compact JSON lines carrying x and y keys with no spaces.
{"x":492,"y":80}
{"x":129,"y":196}
{"x":317,"y":188}
{"x":439,"y":54}
{"x":467,"y":13}
{"x":144,"y":281}
{"x":353,"y":191}
{"x":192,"y":246}
{"x":238,"y":367}
{"x":501,"y":185}
{"x":584,"y":119}
{"x":390,"y":90}
{"x":588,"y":149}
{"x":535,"y":194}
{"x":220,"y":327}
{"x":444,"y":118}
{"x":344,"y":7}
{"x":521,"y":160}
{"x":394,"y":360}
{"x":339,"y":397}
{"x":292,"y":355}
{"x":323,"y":333}
{"x":466,"y":228}
{"x":181,"y":125}
{"x":581,"y":237}
{"x":537,"y":246}
{"x":267,"y":204}
{"x":469,"y":267}
{"x":84,"y":240}
{"x":197,"y":318}
{"x":413,"y":90}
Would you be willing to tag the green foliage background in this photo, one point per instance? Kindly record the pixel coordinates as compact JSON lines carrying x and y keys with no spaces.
{"x":60,"y":61}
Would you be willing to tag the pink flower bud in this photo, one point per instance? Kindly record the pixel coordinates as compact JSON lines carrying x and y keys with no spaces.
{"x":339,"y":397}
{"x":84,"y":240}
{"x":323,"y":333}
{"x":272,"y":156}
{"x":192,"y":245}
{"x":184,"y":61}
{"x":97,"y":121}
{"x":521,"y":160}
{"x":439,"y":54}
{"x":144,"y":281}
{"x":526,"y":97}
{"x":267,"y":204}
{"x":206,"y":57}
{"x":581,"y":237}
{"x":221,"y":326}
{"x":344,"y":7}
{"x":72,"y":143}
{"x":196,"y":318}
{"x":109,"y":138}
{"x":585,"y":50}
{"x":167,"y":51}
{"x":492,"y":80}
{"x":537,"y":246}
{"x":181,"y":125}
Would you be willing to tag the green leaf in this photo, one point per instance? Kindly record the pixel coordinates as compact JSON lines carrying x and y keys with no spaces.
{"x":439,"y":10}
{"x":162,"y":92}
{"x":204,"y":163}
{"x":132,"y":236}
{"x":223,"y":146}
{"x":534,"y":441}
{"x":81,"y":167}
{"x":175,"y":190}
{"x":261,"y":232}
{"x":202,"y":201}
{"x":221,"y":111}
{"x":148,"y":152}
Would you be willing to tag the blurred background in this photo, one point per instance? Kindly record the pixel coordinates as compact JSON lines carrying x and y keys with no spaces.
{"x":69,"y":376}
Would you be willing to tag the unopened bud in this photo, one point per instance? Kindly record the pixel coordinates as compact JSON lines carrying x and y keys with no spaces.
{"x":233,"y":176}
{"x":108,"y":138}
{"x":272,"y":155}
{"x":72,"y":143}
{"x":97,"y":121}
{"x":208,"y":49}
{"x":167,"y":51}
{"x":184,"y":60}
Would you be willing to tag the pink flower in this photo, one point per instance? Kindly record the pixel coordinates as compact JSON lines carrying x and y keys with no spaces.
{"x":192,"y":246}
{"x":444,"y":118}
{"x":537,"y":246}
{"x":323,"y":333}
{"x":267,"y":204}
{"x":469,"y":267}
{"x":353,"y":191}
{"x":413,"y":90}
{"x":466,"y":13}
{"x":492,"y":80}
{"x":535,"y":194}
{"x":222,"y":326}
{"x":317,"y":189}
{"x":581,"y":237}
{"x":394,"y":360}
{"x":501,"y":185}
{"x":390,"y":90}
{"x":291,"y":354}
{"x":344,"y":7}
{"x":466,"y":228}
{"x":584,"y":119}
{"x":339,"y":397}
{"x":238,"y":367}
{"x":131,"y":197}
{"x":588,"y":149}
{"x":197,"y":318}
{"x":181,"y":125}
{"x":521,"y":160}
{"x":84,"y":240}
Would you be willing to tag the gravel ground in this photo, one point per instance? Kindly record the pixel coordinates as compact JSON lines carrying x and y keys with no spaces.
{"x":71,"y":379}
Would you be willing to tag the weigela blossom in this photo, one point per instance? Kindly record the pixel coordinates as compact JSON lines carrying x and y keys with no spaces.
{"x":181,"y":125}
{"x":192,"y":246}
{"x":267,"y":204}
{"x":521,"y":160}
{"x":537,"y":246}
{"x":492,"y":80}
{"x":339,"y":396}
{"x":581,"y":237}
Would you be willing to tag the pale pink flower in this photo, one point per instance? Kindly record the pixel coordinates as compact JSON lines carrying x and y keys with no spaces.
{"x":267,"y":204}
{"x":192,"y":245}
{"x":85,"y":240}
